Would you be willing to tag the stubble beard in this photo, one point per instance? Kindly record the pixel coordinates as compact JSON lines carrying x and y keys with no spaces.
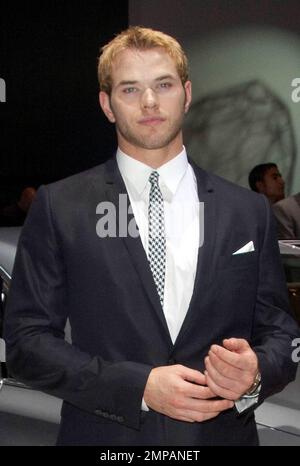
{"x":154,"y":140}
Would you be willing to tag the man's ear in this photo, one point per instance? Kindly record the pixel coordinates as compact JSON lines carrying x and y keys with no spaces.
{"x":260,"y":186}
{"x":188,"y":95}
{"x":104,"y":101}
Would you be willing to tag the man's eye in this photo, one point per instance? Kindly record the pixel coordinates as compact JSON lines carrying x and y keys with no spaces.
{"x":129,"y":90}
{"x":165,"y":85}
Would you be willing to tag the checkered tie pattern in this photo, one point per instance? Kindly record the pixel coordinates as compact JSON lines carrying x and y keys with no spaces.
{"x":157,"y":240}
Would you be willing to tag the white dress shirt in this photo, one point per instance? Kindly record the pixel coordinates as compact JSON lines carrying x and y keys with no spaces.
{"x":177,"y":183}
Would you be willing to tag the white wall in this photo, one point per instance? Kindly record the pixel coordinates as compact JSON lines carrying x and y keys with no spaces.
{"x":224,"y":56}
{"x":230,"y":57}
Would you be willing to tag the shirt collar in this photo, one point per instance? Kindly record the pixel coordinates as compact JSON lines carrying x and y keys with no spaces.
{"x":137,"y":173}
{"x":134,"y":171}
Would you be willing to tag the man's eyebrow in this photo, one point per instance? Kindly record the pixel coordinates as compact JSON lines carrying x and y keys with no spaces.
{"x":133,"y":82}
{"x":165,"y":76}
{"x":127,"y":83}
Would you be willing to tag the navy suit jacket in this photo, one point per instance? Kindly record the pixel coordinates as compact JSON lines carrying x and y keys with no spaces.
{"x":63,"y":269}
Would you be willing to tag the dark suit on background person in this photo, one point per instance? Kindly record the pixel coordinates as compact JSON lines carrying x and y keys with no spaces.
{"x":63,"y":269}
{"x":287,"y":213}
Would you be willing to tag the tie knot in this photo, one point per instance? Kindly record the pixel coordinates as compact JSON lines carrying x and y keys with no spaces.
{"x":153,"y":178}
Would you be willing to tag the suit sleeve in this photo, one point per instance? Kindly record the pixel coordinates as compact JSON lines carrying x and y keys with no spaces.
{"x":35,"y":318}
{"x":274,"y":329}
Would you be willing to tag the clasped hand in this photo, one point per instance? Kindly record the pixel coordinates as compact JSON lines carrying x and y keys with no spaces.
{"x":231,"y":368}
{"x":188,"y":395}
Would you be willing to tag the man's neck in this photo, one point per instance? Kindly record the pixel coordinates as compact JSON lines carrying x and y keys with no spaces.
{"x":154,"y":158}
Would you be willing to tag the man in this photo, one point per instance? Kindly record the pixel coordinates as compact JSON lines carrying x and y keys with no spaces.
{"x":266,"y":179}
{"x":169,"y":339}
{"x":287,"y":213}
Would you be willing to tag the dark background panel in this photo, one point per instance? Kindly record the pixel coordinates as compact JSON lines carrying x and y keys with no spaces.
{"x":195,"y":18}
{"x":51,"y":124}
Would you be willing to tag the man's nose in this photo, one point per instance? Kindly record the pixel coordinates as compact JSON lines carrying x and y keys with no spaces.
{"x":149,"y":98}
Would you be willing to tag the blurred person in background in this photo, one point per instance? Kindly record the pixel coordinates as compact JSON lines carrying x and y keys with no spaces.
{"x":15,"y":214}
{"x":287,"y":213}
{"x":266,"y":179}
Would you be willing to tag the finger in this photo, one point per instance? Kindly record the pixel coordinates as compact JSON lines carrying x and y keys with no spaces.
{"x":193,"y":404}
{"x":181,"y":417}
{"x":186,"y":419}
{"x":191,"y":375}
{"x":207,"y":406}
{"x":221,"y":380}
{"x":239,"y":379}
{"x":223,"y":392}
{"x":198,"y":392}
{"x":236,"y":344}
{"x":194,"y":416}
{"x":199,"y":410}
{"x":230,"y":357}
{"x":225,"y":369}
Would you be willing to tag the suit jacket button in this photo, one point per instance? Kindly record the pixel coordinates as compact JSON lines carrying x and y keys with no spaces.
{"x":120,"y":419}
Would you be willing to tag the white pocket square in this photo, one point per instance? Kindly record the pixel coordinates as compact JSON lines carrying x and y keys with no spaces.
{"x":247,"y":248}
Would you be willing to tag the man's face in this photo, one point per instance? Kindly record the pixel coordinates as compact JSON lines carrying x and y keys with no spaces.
{"x":147,"y":102}
{"x":272,"y":185}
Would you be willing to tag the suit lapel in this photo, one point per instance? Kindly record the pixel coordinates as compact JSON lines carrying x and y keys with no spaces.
{"x":114,"y":187}
{"x":204,"y":270}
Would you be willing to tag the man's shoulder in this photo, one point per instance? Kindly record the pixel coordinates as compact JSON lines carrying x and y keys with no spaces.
{"x":77,"y":189}
{"x":290,"y":203}
{"x":69,"y":197}
{"x":79,"y":184}
{"x":81,"y":178}
{"x":226,"y":189}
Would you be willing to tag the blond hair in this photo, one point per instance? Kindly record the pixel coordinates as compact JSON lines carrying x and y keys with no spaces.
{"x":139,"y":38}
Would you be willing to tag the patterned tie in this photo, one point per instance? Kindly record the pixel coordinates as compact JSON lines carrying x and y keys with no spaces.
{"x":157,"y":240}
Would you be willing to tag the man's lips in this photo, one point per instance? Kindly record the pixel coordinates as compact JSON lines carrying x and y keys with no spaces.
{"x":150,"y":121}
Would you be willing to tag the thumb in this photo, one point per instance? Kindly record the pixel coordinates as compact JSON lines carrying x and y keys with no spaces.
{"x":238,"y":345}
